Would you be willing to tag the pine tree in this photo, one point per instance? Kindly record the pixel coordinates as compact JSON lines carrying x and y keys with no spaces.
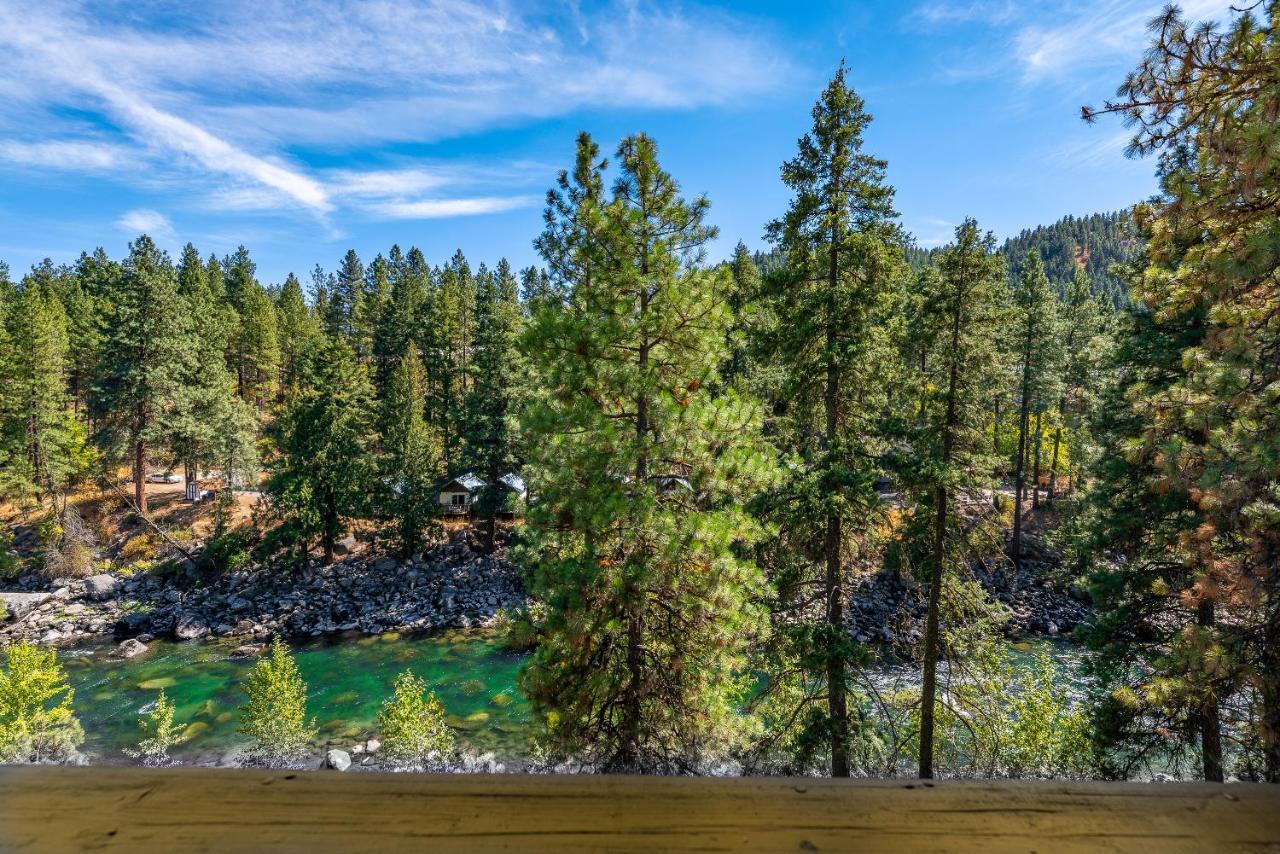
{"x":324,"y":473}
{"x":206,"y":424}
{"x":409,"y":278}
{"x":844,"y":257}
{"x":638,"y":470}
{"x":147,"y":343}
{"x":254,"y":353}
{"x":492,"y":432}
{"x":1034,"y":300}
{"x":275,"y":711}
{"x":297,"y":329}
{"x":963,"y":315}
{"x":746,"y":288}
{"x":46,"y":443}
{"x":344,"y":290}
{"x":84,"y":331}
{"x":453,"y":313}
{"x":366,"y":316}
{"x":1206,"y":99}
{"x":413,"y":455}
{"x":1083,"y":331}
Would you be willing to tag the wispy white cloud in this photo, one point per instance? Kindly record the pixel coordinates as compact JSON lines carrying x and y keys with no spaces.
{"x":1090,"y":152}
{"x":77,"y":155}
{"x":438,"y":208}
{"x":1053,"y":40}
{"x":229,"y":97}
{"x":1087,"y":33}
{"x":991,"y":12}
{"x":931,"y":231}
{"x":151,"y":223}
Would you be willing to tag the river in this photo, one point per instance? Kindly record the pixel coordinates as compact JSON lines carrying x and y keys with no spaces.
{"x":473,"y":675}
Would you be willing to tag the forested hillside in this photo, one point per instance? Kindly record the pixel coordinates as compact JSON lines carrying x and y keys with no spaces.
{"x":1092,"y":243}
{"x":745,"y":480}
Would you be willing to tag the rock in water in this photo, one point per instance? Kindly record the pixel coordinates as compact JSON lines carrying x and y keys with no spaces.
{"x":338,"y":760}
{"x":130,"y":648}
{"x":100,"y":587}
{"x":190,"y":627}
{"x":247,"y":650}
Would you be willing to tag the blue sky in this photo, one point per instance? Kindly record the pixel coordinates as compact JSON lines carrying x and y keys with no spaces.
{"x":303,"y":128}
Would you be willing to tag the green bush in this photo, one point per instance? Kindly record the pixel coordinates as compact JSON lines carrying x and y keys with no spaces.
{"x":10,"y":563}
{"x":412,"y":726}
{"x":275,"y":716}
{"x":37,"y":723}
{"x":164,"y":734}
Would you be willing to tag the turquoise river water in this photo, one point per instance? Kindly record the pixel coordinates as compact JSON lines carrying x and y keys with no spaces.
{"x":472,"y":674}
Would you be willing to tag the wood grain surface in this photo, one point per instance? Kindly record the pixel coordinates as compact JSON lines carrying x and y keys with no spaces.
{"x":196,"y":809}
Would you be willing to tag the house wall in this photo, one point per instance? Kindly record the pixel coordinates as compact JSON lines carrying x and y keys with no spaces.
{"x":446,"y":501}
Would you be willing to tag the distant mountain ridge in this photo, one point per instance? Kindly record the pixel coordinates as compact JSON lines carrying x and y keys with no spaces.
{"x":1097,"y":241}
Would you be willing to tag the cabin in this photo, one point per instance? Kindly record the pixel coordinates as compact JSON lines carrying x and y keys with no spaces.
{"x":458,"y":494}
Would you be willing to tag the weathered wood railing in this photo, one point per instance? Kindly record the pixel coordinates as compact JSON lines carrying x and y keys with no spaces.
{"x":136,"y":809}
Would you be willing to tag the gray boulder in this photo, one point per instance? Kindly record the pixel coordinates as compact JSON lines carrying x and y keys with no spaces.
{"x":18,"y":604}
{"x":338,"y":760}
{"x":100,"y":587}
{"x":190,"y":627}
{"x":130,"y":648}
{"x":344,"y":546}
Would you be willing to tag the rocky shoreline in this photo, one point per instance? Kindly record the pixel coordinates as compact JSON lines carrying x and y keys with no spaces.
{"x":449,"y":586}
{"x":886,"y":610}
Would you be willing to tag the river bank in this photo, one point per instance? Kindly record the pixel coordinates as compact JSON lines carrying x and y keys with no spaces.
{"x":449,"y":586}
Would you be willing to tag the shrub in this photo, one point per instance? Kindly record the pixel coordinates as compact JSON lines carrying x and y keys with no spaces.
{"x":36,"y":719}
{"x":10,"y":563}
{"x":1047,"y":737}
{"x":164,"y":734}
{"x":275,"y":716}
{"x":138,"y":549}
{"x":412,"y":726}
{"x":67,"y":545}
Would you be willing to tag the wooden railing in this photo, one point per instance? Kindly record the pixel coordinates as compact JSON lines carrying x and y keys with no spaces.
{"x":193,"y":809}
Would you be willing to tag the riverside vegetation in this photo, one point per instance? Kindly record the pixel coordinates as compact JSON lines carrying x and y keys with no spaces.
{"x":783,"y":510}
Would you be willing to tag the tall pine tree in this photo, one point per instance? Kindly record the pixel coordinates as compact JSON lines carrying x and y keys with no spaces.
{"x":843,"y":261}
{"x":638,"y":471}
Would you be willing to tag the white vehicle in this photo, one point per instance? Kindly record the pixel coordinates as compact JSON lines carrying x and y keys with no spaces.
{"x":164,"y":477}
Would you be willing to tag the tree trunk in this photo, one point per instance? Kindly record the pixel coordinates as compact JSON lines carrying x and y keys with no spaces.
{"x":140,"y":476}
{"x":1057,"y":443}
{"x":1020,"y":464}
{"x":1035,"y":469}
{"x":995,"y":452}
{"x":330,"y":533}
{"x":1270,"y":667}
{"x":1209,"y":719}
{"x":837,"y":702}
{"x":929,"y":683}
{"x":629,"y":754}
